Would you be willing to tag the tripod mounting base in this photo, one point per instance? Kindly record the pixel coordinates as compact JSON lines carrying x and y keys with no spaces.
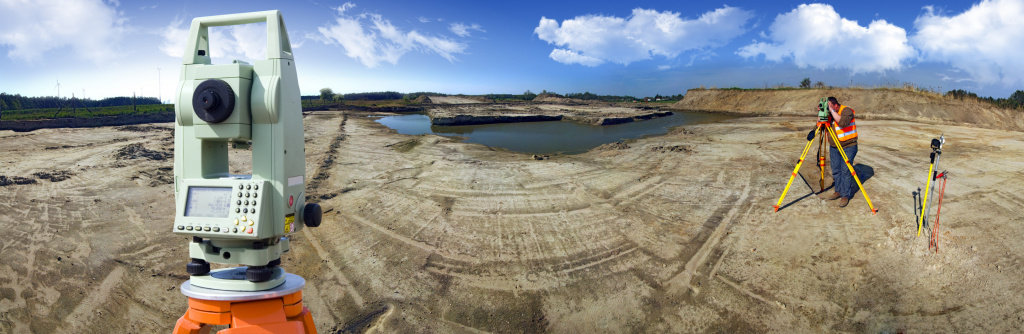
{"x":233,"y":279}
{"x":278,"y":310}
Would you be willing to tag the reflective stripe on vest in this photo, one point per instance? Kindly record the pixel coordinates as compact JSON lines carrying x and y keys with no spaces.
{"x":848,"y":132}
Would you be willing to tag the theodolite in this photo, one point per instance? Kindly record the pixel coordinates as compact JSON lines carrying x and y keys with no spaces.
{"x":239,"y":219}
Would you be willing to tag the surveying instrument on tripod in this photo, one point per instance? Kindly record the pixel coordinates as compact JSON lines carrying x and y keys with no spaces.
{"x":933,"y":175}
{"x":823,"y":128}
{"x":240,"y":219}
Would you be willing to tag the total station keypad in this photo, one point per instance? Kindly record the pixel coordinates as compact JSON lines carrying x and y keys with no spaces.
{"x":245,"y":204}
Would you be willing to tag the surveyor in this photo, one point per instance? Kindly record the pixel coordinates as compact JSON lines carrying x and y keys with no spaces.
{"x":846,"y":130}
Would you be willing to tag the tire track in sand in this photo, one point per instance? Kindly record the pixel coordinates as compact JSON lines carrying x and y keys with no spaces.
{"x":321,"y":174}
{"x":80,"y":317}
{"x":682,"y":280}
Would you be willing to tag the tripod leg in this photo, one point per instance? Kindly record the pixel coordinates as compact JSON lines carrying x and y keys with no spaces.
{"x":791,"y":177}
{"x":821,"y":162}
{"x":935,"y":229}
{"x":935,"y":183}
{"x":924,"y":206}
{"x":832,"y":133}
{"x":186,"y":325}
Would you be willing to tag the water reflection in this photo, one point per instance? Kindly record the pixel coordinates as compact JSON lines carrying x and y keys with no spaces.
{"x":548,"y":137}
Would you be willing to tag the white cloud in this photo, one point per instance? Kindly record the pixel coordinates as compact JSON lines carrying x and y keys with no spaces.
{"x":463,"y":30}
{"x":371,"y":39}
{"x":573,"y":57}
{"x":424,"y":19}
{"x":91,"y":28}
{"x":344,"y":7}
{"x":245,"y":42}
{"x":815,"y":35}
{"x":985,"y":41}
{"x":593,"y":39}
{"x":175,"y":38}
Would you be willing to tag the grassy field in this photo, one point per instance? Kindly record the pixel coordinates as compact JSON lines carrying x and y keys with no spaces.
{"x":47,"y":113}
{"x":50,"y":113}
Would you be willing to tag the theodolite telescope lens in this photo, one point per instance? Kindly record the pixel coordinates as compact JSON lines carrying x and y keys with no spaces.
{"x":213,"y":101}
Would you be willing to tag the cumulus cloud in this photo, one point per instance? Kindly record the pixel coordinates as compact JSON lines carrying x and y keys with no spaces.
{"x":371,"y":39}
{"x":91,"y":28}
{"x":463,"y":30}
{"x":572,"y":57}
{"x":591,"y":40}
{"x":246,"y":42}
{"x":985,"y":41}
{"x":815,"y":35}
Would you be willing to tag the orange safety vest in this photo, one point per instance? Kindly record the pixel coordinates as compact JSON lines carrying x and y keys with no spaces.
{"x":848,"y":132}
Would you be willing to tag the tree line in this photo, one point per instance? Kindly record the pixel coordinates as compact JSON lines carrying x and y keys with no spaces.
{"x":1015,"y":101}
{"x":18,"y":102}
{"x":328,"y":94}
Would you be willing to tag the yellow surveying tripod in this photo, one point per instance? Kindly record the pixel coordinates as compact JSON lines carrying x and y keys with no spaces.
{"x":824,"y":122}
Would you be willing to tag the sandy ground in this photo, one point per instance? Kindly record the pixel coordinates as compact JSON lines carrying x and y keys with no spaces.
{"x":674,"y":233}
{"x":454,"y":100}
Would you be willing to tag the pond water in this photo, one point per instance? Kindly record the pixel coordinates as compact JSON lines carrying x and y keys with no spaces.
{"x":548,"y":137}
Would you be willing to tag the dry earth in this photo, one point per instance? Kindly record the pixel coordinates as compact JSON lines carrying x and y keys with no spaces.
{"x":587,"y":113}
{"x":674,"y":233}
{"x":887,"y":104}
{"x":455,"y":99}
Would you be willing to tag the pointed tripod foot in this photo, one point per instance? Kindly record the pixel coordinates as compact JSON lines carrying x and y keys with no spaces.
{"x":776,"y":208}
{"x":874,"y":211}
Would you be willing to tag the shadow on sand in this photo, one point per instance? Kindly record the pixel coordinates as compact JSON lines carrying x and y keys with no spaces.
{"x":864,"y":173}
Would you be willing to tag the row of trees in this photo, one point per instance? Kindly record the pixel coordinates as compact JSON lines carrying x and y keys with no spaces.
{"x":1015,"y":101}
{"x":18,"y":102}
{"x":328,"y":94}
{"x":529,"y":95}
{"x":806,"y":83}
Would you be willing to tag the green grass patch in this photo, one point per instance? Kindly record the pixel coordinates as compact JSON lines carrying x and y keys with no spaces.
{"x":50,"y":113}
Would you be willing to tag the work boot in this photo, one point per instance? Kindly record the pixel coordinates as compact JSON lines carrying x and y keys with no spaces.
{"x":843,"y":202}
{"x":833,"y":196}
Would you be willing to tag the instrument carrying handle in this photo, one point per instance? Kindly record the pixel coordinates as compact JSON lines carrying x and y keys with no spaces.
{"x":278,"y":44}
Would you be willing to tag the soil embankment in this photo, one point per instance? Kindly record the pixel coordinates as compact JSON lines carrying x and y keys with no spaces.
{"x":877,"y":104}
{"x":595,"y":114}
{"x":75,"y":122}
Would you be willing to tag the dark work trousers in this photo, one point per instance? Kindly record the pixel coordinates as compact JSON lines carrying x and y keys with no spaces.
{"x":841,"y":177}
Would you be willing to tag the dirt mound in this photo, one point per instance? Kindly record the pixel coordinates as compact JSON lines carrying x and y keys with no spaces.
{"x":619,"y":145}
{"x":136,"y":128}
{"x":458,"y":99}
{"x":423,"y":99}
{"x":405,"y":145}
{"x":9,"y":180}
{"x":156,"y":177}
{"x":54,"y":176}
{"x":672,"y":148}
{"x":136,"y":151}
{"x":555,"y":99}
{"x":887,"y":104}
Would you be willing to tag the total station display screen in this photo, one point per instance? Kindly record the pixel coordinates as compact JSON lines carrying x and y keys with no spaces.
{"x":213,"y":202}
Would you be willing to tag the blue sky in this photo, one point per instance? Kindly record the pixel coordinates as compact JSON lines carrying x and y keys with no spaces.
{"x":102,"y":48}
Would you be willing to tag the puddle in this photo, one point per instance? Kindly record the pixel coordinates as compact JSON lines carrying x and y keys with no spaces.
{"x":549,"y":137}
